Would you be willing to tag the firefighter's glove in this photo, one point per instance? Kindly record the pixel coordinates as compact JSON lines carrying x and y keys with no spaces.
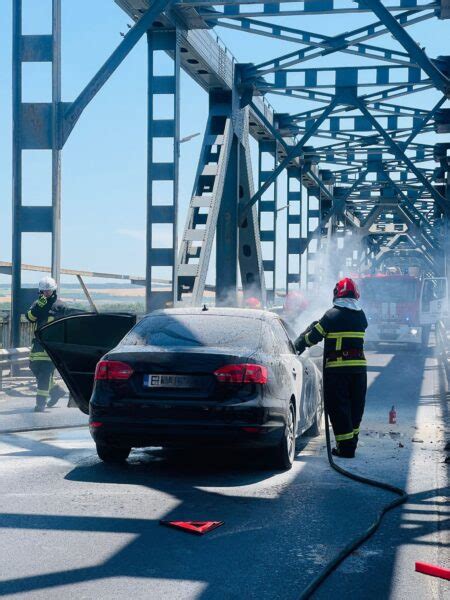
{"x":51,"y":301}
{"x":300,"y":344}
{"x":42,"y":301}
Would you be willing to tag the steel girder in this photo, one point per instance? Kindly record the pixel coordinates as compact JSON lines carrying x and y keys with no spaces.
{"x":46,"y":126}
{"x":162,"y":177}
{"x":359,"y":123}
{"x":36,"y":126}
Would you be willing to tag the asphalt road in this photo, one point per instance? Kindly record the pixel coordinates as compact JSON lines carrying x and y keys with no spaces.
{"x":72,"y":527}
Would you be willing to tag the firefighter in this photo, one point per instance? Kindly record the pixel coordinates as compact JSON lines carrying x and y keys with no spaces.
{"x":45,"y":309}
{"x":252,"y":302}
{"x":345,"y":366}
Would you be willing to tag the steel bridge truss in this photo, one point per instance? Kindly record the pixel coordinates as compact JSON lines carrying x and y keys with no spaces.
{"x":359,"y":186}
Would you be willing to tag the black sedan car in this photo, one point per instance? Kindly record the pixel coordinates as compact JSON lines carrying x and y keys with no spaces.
{"x":187,"y":377}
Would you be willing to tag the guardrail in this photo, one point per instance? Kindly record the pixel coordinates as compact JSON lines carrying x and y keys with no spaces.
{"x":13,"y":360}
{"x":26,"y":331}
{"x":442,"y":333}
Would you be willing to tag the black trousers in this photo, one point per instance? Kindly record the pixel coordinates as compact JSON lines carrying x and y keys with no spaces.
{"x":345,"y":397}
{"x":46,"y":388}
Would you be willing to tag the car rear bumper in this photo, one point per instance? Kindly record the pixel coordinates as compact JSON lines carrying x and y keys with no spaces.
{"x":259,"y":429}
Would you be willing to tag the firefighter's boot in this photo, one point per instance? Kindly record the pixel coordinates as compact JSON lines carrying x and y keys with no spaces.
{"x":56,"y":393}
{"x":40,"y":405}
{"x":344,"y":450}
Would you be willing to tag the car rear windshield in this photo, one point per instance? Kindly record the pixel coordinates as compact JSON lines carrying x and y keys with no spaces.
{"x":196,"y":331}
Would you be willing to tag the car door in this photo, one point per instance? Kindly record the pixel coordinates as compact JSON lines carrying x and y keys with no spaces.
{"x":294,"y":368}
{"x":76,"y":344}
{"x":308,"y":397}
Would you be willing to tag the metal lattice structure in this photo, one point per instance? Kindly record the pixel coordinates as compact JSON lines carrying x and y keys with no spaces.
{"x":355,"y":170}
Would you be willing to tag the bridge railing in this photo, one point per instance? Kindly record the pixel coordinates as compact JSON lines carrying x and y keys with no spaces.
{"x":442,"y":332}
{"x":26,"y":331}
{"x":12,"y":361}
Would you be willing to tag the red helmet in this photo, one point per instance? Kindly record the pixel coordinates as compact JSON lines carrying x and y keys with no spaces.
{"x":295,"y":301}
{"x":252,"y":302}
{"x":346,"y":288}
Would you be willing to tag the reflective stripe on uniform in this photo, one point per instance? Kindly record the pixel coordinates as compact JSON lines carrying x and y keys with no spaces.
{"x":341,"y":334}
{"x":356,"y":431}
{"x":307,"y":342}
{"x":44,"y":393}
{"x":320,"y":329}
{"x":339,"y":337}
{"x":347,"y":363}
{"x":31,"y":317}
{"x":344,"y":436}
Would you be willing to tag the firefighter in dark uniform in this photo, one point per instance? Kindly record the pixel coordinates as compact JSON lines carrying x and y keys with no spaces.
{"x":45,"y":309}
{"x":345,"y":366}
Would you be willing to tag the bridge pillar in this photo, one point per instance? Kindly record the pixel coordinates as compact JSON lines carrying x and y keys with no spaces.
{"x":36,"y":127}
{"x":162,"y":166}
{"x":294,"y":228}
{"x":267,"y":207}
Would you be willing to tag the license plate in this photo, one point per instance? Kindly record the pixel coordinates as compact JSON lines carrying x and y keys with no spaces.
{"x":168,"y":381}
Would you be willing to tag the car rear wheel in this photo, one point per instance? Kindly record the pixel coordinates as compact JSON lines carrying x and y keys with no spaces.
{"x":285,"y":452}
{"x":112,"y":454}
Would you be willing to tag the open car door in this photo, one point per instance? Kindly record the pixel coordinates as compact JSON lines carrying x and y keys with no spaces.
{"x":76,"y":344}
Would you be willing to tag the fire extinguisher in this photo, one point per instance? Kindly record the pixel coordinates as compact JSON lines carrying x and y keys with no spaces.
{"x":392,"y":416}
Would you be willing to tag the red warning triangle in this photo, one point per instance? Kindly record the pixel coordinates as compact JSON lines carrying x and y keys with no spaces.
{"x":197,"y":527}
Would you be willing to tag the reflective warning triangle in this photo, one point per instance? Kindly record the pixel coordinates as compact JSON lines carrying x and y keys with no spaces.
{"x":197,"y":527}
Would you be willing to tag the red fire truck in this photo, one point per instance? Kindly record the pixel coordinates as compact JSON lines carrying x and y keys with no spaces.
{"x":402,"y":308}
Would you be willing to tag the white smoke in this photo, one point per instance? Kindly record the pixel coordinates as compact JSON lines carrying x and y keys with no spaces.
{"x":337,"y":258}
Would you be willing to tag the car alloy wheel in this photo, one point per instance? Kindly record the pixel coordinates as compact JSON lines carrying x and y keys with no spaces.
{"x":284,"y":453}
{"x":290,"y":434}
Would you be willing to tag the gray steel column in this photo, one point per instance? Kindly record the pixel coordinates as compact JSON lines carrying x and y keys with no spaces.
{"x":56,"y":139}
{"x":294,"y":219}
{"x":16,"y":173}
{"x":266,"y":205}
{"x":227,"y":233}
{"x":162,"y":210}
{"x":447,"y":231}
{"x":36,"y":126}
{"x":250,"y":254}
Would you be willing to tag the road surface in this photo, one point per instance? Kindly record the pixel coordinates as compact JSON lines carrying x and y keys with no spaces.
{"x":72,"y":527}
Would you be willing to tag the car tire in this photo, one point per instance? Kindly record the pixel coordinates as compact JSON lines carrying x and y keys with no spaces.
{"x":284,"y":455}
{"x":112,"y":454}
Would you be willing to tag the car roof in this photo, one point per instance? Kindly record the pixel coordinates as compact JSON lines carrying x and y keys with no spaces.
{"x":247,"y":313}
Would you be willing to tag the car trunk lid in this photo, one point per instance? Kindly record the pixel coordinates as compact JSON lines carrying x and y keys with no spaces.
{"x":186,"y":374}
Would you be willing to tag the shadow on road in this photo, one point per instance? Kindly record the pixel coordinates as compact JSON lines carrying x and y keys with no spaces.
{"x":280,"y":529}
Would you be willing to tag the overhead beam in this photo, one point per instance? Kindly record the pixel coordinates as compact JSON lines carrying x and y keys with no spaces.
{"x":293,"y":153}
{"x":414,"y":50}
{"x":130,"y":40}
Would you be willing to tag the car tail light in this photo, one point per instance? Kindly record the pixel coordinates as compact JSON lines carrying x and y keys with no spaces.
{"x":112,"y":370}
{"x":243,"y":373}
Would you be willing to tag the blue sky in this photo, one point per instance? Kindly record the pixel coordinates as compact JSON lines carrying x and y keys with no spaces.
{"x":104,"y":161}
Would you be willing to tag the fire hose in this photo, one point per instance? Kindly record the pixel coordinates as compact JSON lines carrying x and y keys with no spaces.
{"x":358,"y":541}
